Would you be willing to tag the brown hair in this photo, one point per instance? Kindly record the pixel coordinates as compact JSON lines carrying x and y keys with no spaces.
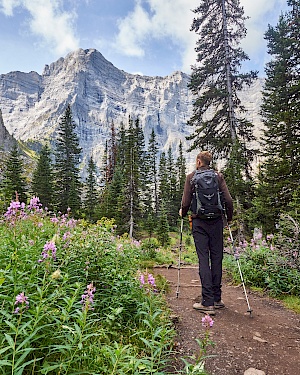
{"x":205,"y":158}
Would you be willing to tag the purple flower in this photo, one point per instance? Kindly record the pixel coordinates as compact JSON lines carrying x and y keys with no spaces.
{"x":207,"y":321}
{"x":66,"y":235}
{"x":15,"y":209}
{"x":21,"y":298}
{"x":151,"y":279}
{"x":87,"y":299}
{"x":48,"y":247}
{"x":34,"y":204}
{"x":142,"y":279}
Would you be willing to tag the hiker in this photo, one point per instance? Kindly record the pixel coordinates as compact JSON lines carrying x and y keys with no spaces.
{"x":207,"y":228}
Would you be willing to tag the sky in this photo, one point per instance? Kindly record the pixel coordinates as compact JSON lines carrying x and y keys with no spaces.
{"x":149,"y":37}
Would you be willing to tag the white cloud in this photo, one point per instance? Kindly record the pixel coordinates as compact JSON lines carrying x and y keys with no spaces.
{"x":173,"y":19}
{"x":48,"y":21}
{"x":166,"y":19}
{"x":7,"y":6}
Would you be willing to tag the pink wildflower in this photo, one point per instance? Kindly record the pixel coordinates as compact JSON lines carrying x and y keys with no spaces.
{"x":23,"y":300}
{"x":87,"y":299}
{"x":207,"y":321}
{"x":48,"y":247}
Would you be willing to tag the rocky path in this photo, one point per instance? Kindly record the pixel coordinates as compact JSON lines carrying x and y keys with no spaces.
{"x":265,"y":343}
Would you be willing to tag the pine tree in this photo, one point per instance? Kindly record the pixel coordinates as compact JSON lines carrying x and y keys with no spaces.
{"x":171,"y":207}
{"x":152,"y":170}
{"x":68,"y":185}
{"x":163,"y":228}
{"x":91,"y":200}
{"x":217,"y":111}
{"x":42,"y":184}
{"x":134,"y":158}
{"x":281,"y":117}
{"x":163,"y":181}
{"x":14,"y":181}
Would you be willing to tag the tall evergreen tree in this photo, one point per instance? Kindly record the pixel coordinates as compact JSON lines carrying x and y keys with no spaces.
{"x":68,"y":185}
{"x":218,"y":115}
{"x":14,"y":181}
{"x":281,"y":117}
{"x":163,"y":181}
{"x":171,"y":206}
{"x":91,"y":200}
{"x":151,"y":170}
{"x":42,"y":184}
{"x":134,"y":163}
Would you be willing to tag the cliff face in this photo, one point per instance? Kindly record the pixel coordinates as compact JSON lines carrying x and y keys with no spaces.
{"x":6,"y":140}
{"x":99,"y":93}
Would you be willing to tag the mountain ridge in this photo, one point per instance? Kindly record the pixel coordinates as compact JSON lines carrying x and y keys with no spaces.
{"x":100,"y":93}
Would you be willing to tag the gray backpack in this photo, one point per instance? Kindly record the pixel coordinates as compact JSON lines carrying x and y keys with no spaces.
{"x":207,"y":201}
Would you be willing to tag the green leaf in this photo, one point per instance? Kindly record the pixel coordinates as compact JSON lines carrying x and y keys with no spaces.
{"x":10,"y":340}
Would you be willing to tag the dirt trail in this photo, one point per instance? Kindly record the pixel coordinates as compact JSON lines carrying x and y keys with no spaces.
{"x":268,"y":341}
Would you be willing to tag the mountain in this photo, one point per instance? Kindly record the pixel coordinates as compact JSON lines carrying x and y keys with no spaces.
{"x":100,"y":93}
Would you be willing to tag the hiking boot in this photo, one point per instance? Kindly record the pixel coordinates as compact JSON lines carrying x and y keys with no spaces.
{"x":219,"y":305}
{"x":210,"y":310}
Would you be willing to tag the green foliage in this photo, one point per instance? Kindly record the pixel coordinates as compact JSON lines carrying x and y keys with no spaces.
{"x":91,"y":200}
{"x":216,"y":80}
{"x":14,"y":182}
{"x":87,"y":291}
{"x":265,"y":265}
{"x":42,"y":184}
{"x":163,"y":228}
{"x":67,"y":180}
{"x":281,"y":113}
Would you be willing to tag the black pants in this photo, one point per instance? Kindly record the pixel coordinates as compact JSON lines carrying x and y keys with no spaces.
{"x":208,"y":238}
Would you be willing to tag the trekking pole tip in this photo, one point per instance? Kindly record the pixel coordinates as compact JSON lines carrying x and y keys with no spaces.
{"x":250,"y":313}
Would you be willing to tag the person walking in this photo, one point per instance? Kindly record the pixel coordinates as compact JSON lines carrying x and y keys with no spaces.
{"x":208,"y":236}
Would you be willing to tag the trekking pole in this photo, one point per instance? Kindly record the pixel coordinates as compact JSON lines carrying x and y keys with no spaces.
{"x":179,"y":258}
{"x":236,"y":257}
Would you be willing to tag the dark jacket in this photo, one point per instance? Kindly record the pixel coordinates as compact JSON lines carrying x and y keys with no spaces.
{"x":189,"y":190}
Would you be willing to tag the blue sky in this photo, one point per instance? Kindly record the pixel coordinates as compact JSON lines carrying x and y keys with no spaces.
{"x":149,"y":37}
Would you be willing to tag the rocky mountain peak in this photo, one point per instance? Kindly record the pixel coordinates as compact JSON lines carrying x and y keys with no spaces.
{"x":100,"y":93}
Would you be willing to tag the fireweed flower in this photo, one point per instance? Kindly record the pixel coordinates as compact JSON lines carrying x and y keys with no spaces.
{"x":15,"y":209}
{"x":142,"y":280}
{"x":22,"y":300}
{"x":150,"y":284}
{"x":48,"y":247}
{"x":87,"y":299}
{"x":151,"y":279}
{"x":207,"y":321}
{"x":34,"y":204}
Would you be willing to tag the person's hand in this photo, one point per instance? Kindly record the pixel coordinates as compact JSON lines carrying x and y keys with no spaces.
{"x":180,"y":212}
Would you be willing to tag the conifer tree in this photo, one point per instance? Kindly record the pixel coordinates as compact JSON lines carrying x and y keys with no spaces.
{"x":163,"y":228}
{"x":218,"y":115}
{"x":134,"y":163}
{"x":91,"y":200}
{"x":42,"y":184}
{"x":149,"y":196}
{"x":163,"y":181}
{"x":14,"y":181}
{"x":281,"y":117}
{"x":68,"y":185}
{"x":172,"y":206}
{"x":152,"y":170}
